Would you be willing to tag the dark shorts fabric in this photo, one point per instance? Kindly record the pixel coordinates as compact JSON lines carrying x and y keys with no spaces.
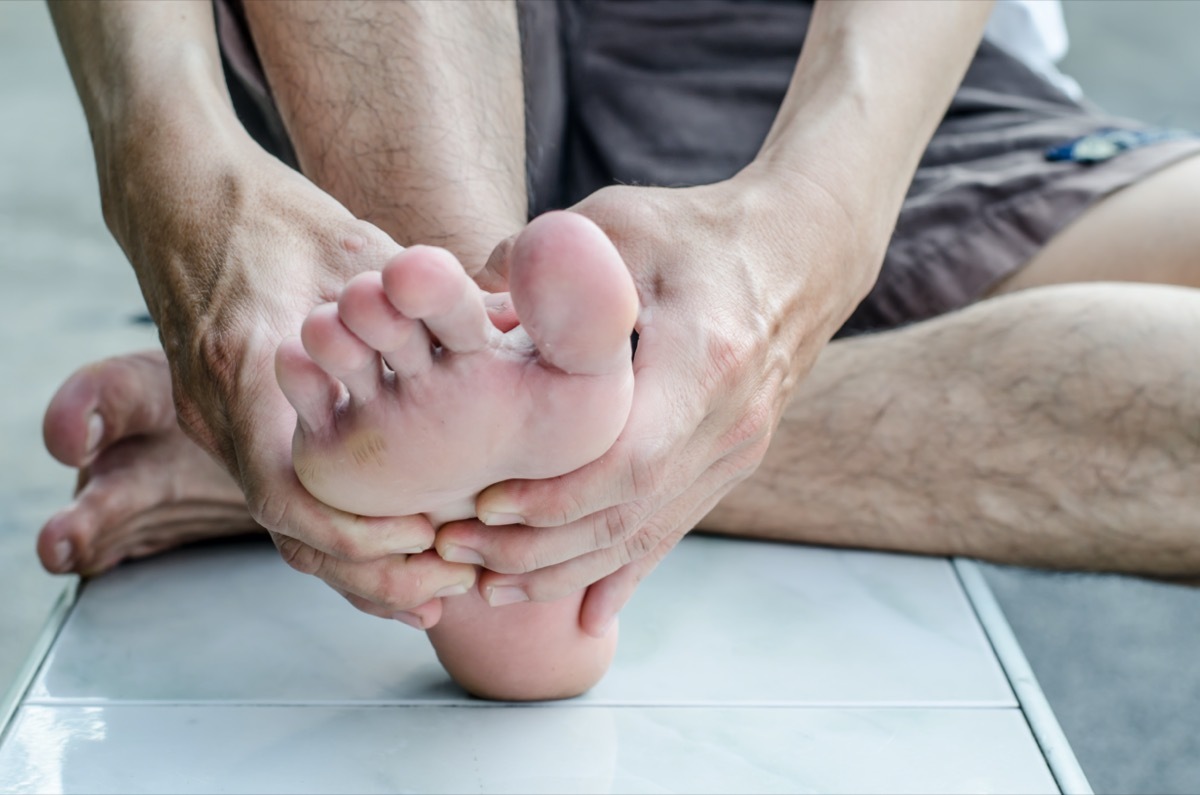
{"x":683,"y":93}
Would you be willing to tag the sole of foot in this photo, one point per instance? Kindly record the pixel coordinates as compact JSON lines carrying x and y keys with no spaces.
{"x":410,"y":401}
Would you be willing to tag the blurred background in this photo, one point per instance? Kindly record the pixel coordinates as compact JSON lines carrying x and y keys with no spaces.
{"x":1116,"y":656}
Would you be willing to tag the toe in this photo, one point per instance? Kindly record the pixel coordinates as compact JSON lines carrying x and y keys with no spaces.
{"x":106,"y":402}
{"x":340,"y":353}
{"x":430,"y":285}
{"x":306,"y":386}
{"x":573,"y":293}
{"x":57,"y":546}
{"x":89,"y":529}
{"x":366,"y":311}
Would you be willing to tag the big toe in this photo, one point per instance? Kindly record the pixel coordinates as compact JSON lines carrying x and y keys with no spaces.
{"x":107,"y":401}
{"x":573,"y":294}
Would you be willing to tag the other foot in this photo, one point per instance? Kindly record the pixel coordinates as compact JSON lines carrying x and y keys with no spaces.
{"x":144,"y":486}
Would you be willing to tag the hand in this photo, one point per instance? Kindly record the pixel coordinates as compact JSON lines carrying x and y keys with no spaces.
{"x":742,"y":284}
{"x":232,"y":250}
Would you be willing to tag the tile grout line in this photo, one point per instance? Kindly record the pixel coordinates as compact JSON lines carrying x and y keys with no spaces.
{"x":802,"y":705}
{"x":14,"y":697}
{"x":1044,"y":726}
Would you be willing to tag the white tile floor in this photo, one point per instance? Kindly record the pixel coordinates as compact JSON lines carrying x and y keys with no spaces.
{"x":219,"y":669}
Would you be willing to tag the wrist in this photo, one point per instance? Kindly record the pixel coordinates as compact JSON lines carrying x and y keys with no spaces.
{"x":834,"y":231}
{"x":159,"y":128}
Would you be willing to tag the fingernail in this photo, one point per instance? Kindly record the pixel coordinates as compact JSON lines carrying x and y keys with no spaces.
{"x":95,"y":431}
{"x":494,"y":519}
{"x":500,"y":595}
{"x":457,"y":554}
{"x":412,"y":619}
{"x":411,"y":551}
{"x":452,"y":590}
{"x":62,"y":554}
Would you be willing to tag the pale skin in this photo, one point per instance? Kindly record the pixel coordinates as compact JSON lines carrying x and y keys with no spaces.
{"x":813,"y":240}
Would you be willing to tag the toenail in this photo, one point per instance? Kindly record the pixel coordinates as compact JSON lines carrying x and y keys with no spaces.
{"x":494,"y":519}
{"x":94,"y":434}
{"x":500,"y":595}
{"x":452,"y":590}
{"x":412,"y":619}
{"x":62,"y":554}
{"x":456,"y":554}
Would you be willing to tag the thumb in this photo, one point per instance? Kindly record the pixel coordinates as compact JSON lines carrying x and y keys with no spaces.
{"x":494,"y":276}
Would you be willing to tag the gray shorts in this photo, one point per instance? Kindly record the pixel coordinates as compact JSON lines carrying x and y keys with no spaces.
{"x":683,"y":93}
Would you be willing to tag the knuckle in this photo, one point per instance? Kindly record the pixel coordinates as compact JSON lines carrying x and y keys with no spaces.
{"x":347,"y":548}
{"x":270,"y":510}
{"x":727,"y":355}
{"x":643,"y":476}
{"x":641,"y":544}
{"x":530,"y":560}
{"x":552,"y":507}
{"x":399,"y":588}
{"x":614,"y":526}
{"x":753,"y":426}
{"x":650,"y":546}
{"x":299,"y":556}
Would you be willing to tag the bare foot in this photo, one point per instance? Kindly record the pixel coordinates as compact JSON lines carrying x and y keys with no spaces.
{"x":410,"y":401}
{"x":144,"y":487}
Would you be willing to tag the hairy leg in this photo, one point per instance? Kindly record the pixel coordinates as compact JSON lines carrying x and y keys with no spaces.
{"x":1053,"y":426}
{"x":410,"y":114}
{"x":1058,"y":427}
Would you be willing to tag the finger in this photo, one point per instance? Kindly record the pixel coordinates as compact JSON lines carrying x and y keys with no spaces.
{"x":106,"y":402}
{"x":516,"y":549}
{"x":606,"y":598}
{"x":651,"y":451}
{"x":666,"y":526}
{"x":392,"y":584}
{"x":562,"y":580}
{"x":288,"y":509}
{"x":421,"y":617}
{"x":279,"y":502}
{"x":494,"y":276}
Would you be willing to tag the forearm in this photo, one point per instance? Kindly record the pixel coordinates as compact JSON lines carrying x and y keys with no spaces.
{"x":414,"y":116}
{"x":230,"y":246}
{"x":143,"y":70}
{"x":149,"y":79}
{"x":872,"y":83}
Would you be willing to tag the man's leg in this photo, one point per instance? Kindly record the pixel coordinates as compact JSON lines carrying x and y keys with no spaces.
{"x":1052,"y":427}
{"x":411,"y":114}
{"x":1144,"y":233}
